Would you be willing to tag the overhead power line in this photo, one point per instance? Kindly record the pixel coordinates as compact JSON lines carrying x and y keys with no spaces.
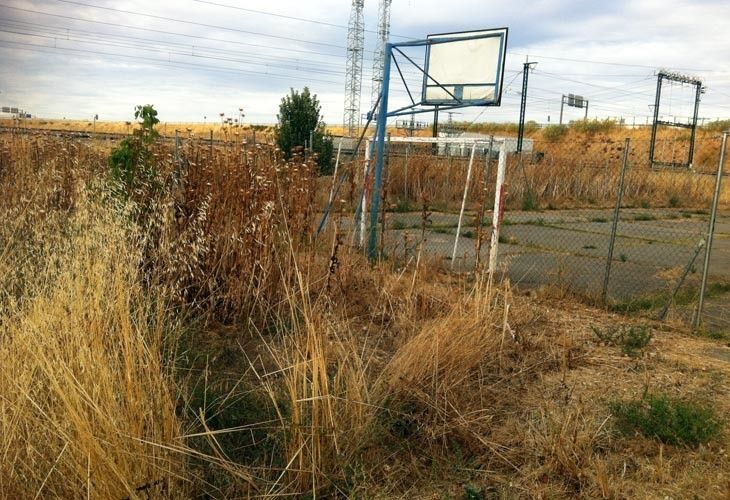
{"x":195,"y":23}
{"x":148,"y":44}
{"x":283,"y":16}
{"x":163,"y":62}
{"x":614,"y":88}
{"x":627,"y":65}
{"x":172,"y":33}
{"x":63,"y":32}
{"x":176,"y":52}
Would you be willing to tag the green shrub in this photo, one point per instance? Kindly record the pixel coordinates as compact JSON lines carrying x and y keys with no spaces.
{"x":717,"y":126}
{"x":553,"y":133}
{"x":132,"y":165}
{"x":299,"y":119}
{"x":471,"y":492}
{"x":669,"y":420}
{"x":644,"y":217}
{"x":632,"y":340}
{"x":594,"y":126}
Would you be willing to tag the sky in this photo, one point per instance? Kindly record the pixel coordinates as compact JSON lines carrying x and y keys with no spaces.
{"x":195,"y":59}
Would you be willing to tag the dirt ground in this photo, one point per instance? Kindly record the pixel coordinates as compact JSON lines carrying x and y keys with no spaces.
{"x":567,"y":429}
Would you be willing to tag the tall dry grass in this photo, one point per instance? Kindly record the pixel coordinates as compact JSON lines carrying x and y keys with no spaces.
{"x":87,"y":404}
{"x":298,"y":374}
{"x":574,"y":172}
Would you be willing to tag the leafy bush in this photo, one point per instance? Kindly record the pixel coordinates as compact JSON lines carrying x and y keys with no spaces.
{"x":299,"y":116}
{"x":132,"y":164}
{"x":553,"y":133}
{"x":718,"y":126}
{"x":594,"y":126}
{"x":668,"y":420}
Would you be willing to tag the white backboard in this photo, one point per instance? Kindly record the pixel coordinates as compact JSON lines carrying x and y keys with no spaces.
{"x":465,"y":68}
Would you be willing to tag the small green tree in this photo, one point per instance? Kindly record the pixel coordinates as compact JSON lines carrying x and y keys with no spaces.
{"x":299,"y":116}
{"x":132,"y":165}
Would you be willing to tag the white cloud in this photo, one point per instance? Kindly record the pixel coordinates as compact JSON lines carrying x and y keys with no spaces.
{"x":68,"y":67}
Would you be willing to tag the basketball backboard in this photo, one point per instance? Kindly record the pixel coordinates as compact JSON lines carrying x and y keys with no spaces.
{"x":465,"y":68}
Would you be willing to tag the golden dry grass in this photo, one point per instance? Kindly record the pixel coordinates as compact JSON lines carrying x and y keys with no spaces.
{"x":183,"y":129}
{"x":87,"y":405}
{"x":214,"y":349}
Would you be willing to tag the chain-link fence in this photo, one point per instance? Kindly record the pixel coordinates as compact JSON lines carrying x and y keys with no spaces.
{"x":563,"y":222}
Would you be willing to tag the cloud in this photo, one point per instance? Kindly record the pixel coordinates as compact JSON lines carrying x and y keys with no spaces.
{"x":82,"y":60}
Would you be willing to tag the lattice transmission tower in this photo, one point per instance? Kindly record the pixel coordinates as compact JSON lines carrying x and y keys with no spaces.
{"x":379,"y":56}
{"x":353,"y":71}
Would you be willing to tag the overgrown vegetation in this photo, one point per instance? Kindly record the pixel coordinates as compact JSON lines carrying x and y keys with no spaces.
{"x":594,"y":126}
{"x":632,"y":339}
{"x":133,"y":168}
{"x":667,"y":419}
{"x":217,"y":348}
{"x":717,"y":126}
{"x":300,"y":125}
{"x":553,"y":133}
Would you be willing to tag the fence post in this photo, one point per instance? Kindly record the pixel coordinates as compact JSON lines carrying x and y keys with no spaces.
{"x":498,"y":208}
{"x":711,"y":231}
{"x":177,"y":148}
{"x":386,"y":174}
{"x":463,"y":204}
{"x":364,"y":201}
{"x":617,"y":209}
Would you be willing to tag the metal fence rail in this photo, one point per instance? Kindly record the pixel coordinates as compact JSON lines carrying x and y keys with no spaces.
{"x":590,"y":216}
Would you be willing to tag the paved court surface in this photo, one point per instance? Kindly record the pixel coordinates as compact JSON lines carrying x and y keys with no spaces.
{"x":570,"y":247}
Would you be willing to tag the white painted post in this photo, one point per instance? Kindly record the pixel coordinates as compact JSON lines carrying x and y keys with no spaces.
{"x":498,"y":208}
{"x":363,"y":206}
{"x":334,"y":174}
{"x":463,"y":204}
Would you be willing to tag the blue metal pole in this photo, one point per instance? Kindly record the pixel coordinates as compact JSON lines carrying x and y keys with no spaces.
{"x":380,"y":137}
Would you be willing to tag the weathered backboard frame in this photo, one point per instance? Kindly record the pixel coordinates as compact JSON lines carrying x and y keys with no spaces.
{"x":424,"y":106}
{"x":465,"y":68}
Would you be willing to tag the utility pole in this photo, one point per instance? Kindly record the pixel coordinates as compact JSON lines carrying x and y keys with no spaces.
{"x":353,"y":69}
{"x":523,"y":103}
{"x":378,"y":62}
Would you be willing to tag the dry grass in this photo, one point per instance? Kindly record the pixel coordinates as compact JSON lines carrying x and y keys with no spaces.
{"x":213,"y":349}
{"x":87,"y":406}
{"x":575,"y":172}
{"x":234,"y":133}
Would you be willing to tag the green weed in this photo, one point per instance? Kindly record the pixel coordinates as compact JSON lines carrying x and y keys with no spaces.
{"x":669,"y":420}
{"x":632,"y":340}
{"x":644,"y":217}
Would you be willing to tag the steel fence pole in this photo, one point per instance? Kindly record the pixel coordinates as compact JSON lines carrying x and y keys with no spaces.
{"x":616,"y":212}
{"x":463,"y":204}
{"x":498,"y":208}
{"x":711,"y":231}
{"x":380,"y":138}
